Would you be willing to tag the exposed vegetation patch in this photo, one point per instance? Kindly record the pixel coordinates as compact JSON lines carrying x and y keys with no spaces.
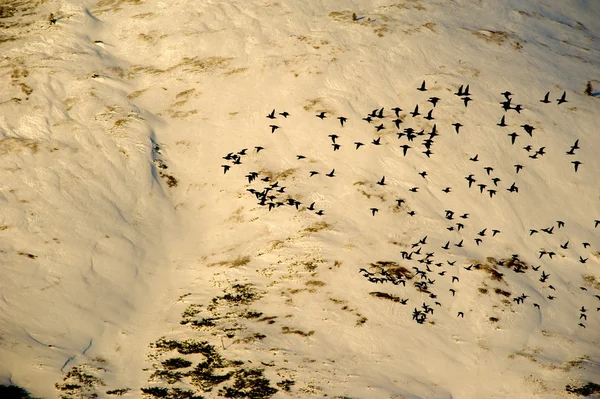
{"x":118,"y":392}
{"x":288,"y":330}
{"x":588,"y":389}
{"x":80,"y":381}
{"x":384,"y":295}
{"x":249,"y":383}
{"x":316,"y":227}
{"x":237,"y":262}
{"x":171,"y":181}
{"x":502,"y":292}
{"x":13,"y":391}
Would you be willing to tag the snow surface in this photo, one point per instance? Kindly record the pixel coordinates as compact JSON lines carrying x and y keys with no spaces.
{"x":103,"y":248}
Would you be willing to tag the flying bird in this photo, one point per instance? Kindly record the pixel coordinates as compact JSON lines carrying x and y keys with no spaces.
{"x":405,"y":148}
{"x":433,"y":100}
{"x":321,"y":115}
{"x":342,"y":119}
{"x":563,"y":98}
{"x":416,"y":111}
{"x":271,"y":115}
{"x":529,"y":129}
{"x":273,"y":128}
{"x":576,"y":164}
{"x":545,"y":100}
{"x":457,"y":126}
{"x":422,"y":88}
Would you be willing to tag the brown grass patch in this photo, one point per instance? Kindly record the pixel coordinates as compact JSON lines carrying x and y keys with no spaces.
{"x":238,"y":262}
{"x":288,"y":330}
{"x":502,"y":292}
{"x":316,"y":227}
{"x":393,"y":269}
{"x":27,"y":255}
{"x":384,"y":295}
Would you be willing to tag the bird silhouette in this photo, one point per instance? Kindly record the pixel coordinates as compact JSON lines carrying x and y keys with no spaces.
{"x":422,"y":88}
{"x":460,"y":91}
{"x":271,"y":115}
{"x":342,"y":119}
{"x":502,"y":122}
{"x":313,"y":172}
{"x":457,"y":126}
{"x":358,"y":144}
{"x":513,"y":136}
{"x":382,"y":181}
{"x":460,"y":314}
{"x":576,"y":164}
{"x":466,"y":100}
{"x":563,"y":98}
{"x":405,"y":148}
{"x":397,"y":111}
{"x":545,"y":100}
{"x":225,"y":168}
{"x":475,"y":158}
{"x":416,"y":111}
{"x":470,"y":179}
{"x":374,"y":211}
{"x":376,"y":141}
{"x":330,"y":174}
{"x":300,"y":157}
{"x":529,"y":129}
{"x":433,"y":100}
{"x":321,"y":115}
{"x":518,"y":167}
{"x":429,"y":117}
{"x":258,"y":149}
{"x":285,"y":114}
{"x":273,"y":128}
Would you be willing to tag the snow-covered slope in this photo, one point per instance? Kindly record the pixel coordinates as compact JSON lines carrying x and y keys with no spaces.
{"x":119,"y":225}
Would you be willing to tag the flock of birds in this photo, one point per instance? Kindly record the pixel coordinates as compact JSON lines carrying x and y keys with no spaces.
{"x":427,"y":267}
